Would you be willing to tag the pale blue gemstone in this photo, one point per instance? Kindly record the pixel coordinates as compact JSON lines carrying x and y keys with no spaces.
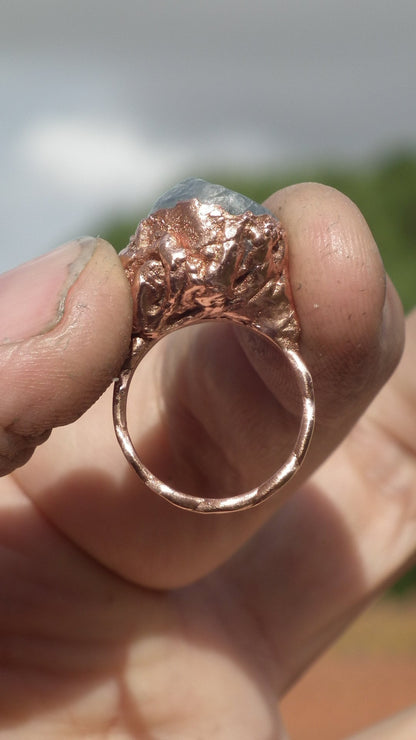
{"x":207,"y":192}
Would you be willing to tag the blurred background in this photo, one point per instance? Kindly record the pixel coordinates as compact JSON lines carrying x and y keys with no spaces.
{"x":107,"y":103}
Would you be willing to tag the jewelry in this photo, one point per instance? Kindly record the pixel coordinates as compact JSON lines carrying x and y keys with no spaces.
{"x":207,"y":253}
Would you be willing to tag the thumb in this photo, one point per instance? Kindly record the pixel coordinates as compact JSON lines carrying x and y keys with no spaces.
{"x":65,"y":322}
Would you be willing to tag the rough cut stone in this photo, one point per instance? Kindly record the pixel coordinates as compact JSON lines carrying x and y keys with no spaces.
{"x":207,"y":192}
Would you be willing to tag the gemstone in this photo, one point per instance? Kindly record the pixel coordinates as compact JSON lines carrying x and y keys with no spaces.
{"x":207,"y":192}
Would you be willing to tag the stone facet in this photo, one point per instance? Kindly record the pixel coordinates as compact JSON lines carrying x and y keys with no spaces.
{"x":207,"y":192}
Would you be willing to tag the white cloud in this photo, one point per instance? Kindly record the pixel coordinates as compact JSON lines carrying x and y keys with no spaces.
{"x":97,"y":160}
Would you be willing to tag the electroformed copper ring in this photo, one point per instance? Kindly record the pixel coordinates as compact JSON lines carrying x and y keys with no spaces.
{"x":206,"y":253}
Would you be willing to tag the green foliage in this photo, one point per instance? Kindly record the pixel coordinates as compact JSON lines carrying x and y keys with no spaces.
{"x":386,"y":195}
{"x":405,"y":586}
{"x":118,"y":232}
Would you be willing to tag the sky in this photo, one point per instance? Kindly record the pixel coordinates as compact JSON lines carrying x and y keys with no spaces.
{"x":106,"y":103}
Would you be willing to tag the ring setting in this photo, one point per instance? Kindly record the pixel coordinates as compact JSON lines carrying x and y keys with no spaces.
{"x":207,"y":253}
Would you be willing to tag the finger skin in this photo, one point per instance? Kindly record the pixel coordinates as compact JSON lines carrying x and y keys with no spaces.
{"x":400,"y":727}
{"x":347,"y":534}
{"x":210,"y":413}
{"x":51,"y":378}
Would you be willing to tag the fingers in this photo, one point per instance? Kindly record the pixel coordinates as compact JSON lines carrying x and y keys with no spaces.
{"x":213,"y":413}
{"x":343,"y":537}
{"x":64,"y":329}
{"x":339,"y":287}
{"x":399,"y":398}
{"x":399,"y":727}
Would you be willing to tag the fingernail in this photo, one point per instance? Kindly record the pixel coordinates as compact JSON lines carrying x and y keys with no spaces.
{"x":32,"y":296}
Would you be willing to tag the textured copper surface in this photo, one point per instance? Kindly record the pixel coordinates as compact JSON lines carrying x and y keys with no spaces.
{"x":196,"y":261}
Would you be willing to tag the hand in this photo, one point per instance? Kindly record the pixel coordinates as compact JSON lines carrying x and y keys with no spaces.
{"x":123,"y":617}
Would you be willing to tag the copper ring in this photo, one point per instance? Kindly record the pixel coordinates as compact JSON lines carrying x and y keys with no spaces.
{"x":212,"y":256}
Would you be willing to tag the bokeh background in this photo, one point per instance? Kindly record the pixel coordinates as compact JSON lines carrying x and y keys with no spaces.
{"x":106,"y":103}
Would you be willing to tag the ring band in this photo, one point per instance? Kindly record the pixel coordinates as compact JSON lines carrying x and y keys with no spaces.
{"x":207,"y":253}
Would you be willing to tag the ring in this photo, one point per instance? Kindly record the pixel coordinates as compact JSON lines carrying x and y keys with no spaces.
{"x":208,"y":253}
